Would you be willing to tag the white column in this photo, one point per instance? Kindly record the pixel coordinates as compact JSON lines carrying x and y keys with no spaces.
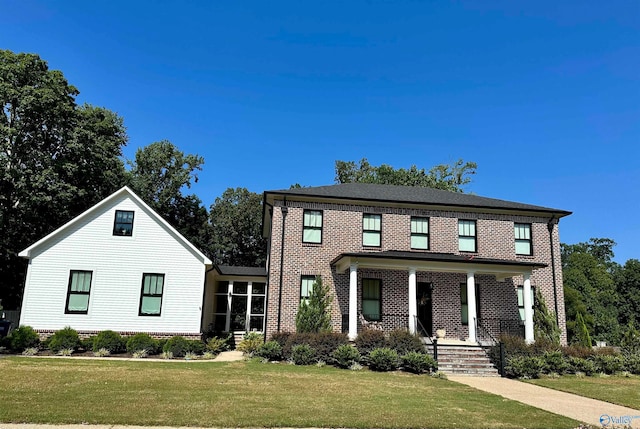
{"x":528,"y":309}
{"x":353,"y":301}
{"x":471,"y":305}
{"x":413,"y":304}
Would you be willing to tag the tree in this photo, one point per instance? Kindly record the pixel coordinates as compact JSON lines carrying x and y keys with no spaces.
{"x":582,"y":336}
{"x":627,"y":280}
{"x":236,"y":220}
{"x":443,"y":176}
{"x":544,"y":322}
{"x":314,"y":316}
{"x":49,"y":152}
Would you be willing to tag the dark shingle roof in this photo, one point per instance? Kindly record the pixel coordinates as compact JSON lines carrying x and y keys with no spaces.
{"x":227,"y":270}
{"x":411,"y":194}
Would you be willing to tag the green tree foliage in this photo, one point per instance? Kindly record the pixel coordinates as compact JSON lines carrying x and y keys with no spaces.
{"x":56,"y":159}
{"x":582,"y":336}
{"x":314,"y":315}
{"x":449,"y":177}
{"x":544,"y":322}
{"x":627,"y":280}
{"x":236,"y":220}
{"x":158,"y":175}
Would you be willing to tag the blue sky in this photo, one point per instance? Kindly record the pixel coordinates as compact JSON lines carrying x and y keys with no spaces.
{"x":544,"y":96}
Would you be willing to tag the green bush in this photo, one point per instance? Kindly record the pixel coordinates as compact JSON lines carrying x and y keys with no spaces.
{"x":632,"y":363}
{"x":368,"y":340}
{"x":325,"y":343}
{"x":177,"y":345}
{"x":525,"y":367}
{"x":142,"y":341}
{"x":217,"y":345}
{"x":578,"y":351}
{"x":196,"y":347}
{"x":578,"y":364}
{"x":418,"y":363}
{"x":303,"y":354}
{"x":23,"y":338}
{"x":609,"y":364}
{"x":345,"y":355}
{"x":555,"y":362}
{"x":403,"y":342}
{"x":109,"y":340}
{"x":271,"y":350}
{"x":384,"y":359}
{"x":251,"y":343}
{"x":282,"y":338}
{"x":86,"y":343}
{"x":64,"y":339}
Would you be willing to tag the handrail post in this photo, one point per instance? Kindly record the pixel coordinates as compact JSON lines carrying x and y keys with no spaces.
{"x":435,"y":349}
{"x":502,"y":358}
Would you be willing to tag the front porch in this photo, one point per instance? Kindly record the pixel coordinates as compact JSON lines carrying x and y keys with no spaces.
{"x":473,"y":299}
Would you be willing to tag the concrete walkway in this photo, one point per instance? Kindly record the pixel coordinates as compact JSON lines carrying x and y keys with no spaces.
{"x":591,"y":411}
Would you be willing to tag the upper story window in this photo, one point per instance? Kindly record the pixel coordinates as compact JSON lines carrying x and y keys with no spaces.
{"x":78,"y":292}
{"x":419,"y":233}
{"x":312,"y":226}
{"x":371,"y":229}
{"x":123,"y":224}
{"x":523,"y":238}
{"x":467,"y":236}
{"x":151,"y":296}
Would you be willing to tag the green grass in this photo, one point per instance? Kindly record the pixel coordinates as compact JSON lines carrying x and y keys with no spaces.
{"x":614,"y":389}
{"x":241,"y":394}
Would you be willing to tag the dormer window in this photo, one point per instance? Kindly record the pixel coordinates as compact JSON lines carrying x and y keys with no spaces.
{"x":123,"y":224}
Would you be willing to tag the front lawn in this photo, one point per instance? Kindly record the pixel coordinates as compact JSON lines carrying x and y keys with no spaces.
{"x":615,"y":389}
{"x":241,"y":394}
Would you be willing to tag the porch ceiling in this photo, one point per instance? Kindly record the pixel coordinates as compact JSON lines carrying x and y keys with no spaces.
{"x":435,"y":262}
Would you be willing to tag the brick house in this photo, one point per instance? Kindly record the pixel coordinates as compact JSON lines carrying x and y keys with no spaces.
{"x":420,"y":258}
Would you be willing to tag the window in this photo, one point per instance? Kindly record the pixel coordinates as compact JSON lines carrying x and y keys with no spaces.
{"x":419,"y":233}
{"x":312,"y":226}
{"x":78,"y":293}
{"x":239,"y":306}
{"x":371,"y":299}
{"x":371,"y":227}
{"x":306,"y":286}
{"x":523,"y":238}
{"x":464,"y":303}
{"x":123,"y":224}
{"x":521,"y":300}
{"x":151,"y":297}
{"x":467,"y":235}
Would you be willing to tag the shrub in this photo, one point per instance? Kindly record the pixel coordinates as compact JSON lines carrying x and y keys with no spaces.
{"x":109,"y":340}
{"x":30,"y":351}
{"x":632,"y":363}
{"x":609,"y":364}
{"x":142,"y":341}
{"x":139,"y":354}
{"x":555,"y":362}
{"x":384,"y":359}
{"x":418,"y":363}
{"x":581,"y":365}
{"x":65,"y":352}
{"x":525,"y":367}
{"x":177,"y":345}
{"x":403,"y":342}
{"x":191,"y":355}
{"x":314,"y":315}
{"x":101,"y":352}
{"x":86,"y":343}
{"x":325,"y":343}
{"x":368,"y":340}
{"x":271,"y":351}
{"x":64,"y":339}
{"x":630,"y":342}
{"x":250,"y":343}
{"x":23,"y":338}
{"x":345,"y":356}
{"x":578,"y":351}
{"x":195,"y":347}
{"x":216,"y":345}
{"x":303,"y":354}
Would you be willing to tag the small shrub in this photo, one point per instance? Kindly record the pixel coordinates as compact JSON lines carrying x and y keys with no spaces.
{"x":65,"y":352}
{"x":632,"y":363}
{"x":303,"y":354}
{"x":216,"y":345}
{"x":209,"y":355}
{"x":281,"y":338}
{"x":578,"y":351}
{"x":196,"y":347}
{"x":525,"y":367}
{"x":580,"y":365}
{"x":345,"y":356}
{"x":64,"y":339}
{"x":608,"y":364}
{"x":86,"y":343}
{"x":177,"y":345}
{"x":108,"y":340}
{"x":139,"y":354}
{"x":369,"y":340}
{"x":325,"y":343}
{"x":321,"y":364}
{"x":555,"y":362}
{"x":418,"y":363}
{"x":384,"y":359}
{"x":102,"y":352}
{"x":142,"y":341}
{"x":355,"y":367}
{"x":271,"y":351}
{"x":30,"y":351}
{"x":191,"y":355}
{"x":403,"y":342}
{"x":167,"y":355}
{"x":250,"y":343}
{"x":23,"y":338}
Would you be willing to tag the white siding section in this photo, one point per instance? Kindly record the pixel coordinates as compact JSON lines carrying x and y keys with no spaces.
{"x":117,"y":264}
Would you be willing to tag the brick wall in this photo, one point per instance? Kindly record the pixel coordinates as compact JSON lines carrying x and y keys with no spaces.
{"x":342,"y":232}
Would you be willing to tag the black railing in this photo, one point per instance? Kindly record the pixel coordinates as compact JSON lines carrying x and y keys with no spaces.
{"x":483,"y":333}
{"x":494,"y":328}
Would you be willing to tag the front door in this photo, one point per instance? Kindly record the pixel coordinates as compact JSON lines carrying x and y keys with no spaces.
{"x":425,"y":312}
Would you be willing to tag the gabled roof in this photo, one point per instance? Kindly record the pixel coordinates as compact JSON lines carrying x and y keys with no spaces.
{"x":26,"y":253}
{"x":409,"y":195}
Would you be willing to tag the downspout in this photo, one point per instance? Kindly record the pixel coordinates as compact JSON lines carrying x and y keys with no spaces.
{"x":266,"y":309}
{"x":553,"y":268}
{"x":204,"y":293}
{"x":285,"y":210}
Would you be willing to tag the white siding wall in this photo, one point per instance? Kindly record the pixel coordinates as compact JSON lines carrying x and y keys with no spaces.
{"x":117,"y":264}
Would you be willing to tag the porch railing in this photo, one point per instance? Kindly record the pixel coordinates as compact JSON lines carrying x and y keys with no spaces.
{"x":379,"y":322}
{"x":494,"y":328}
